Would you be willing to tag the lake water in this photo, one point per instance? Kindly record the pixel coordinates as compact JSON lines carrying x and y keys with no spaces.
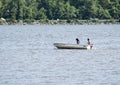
{"x":28,"y":57}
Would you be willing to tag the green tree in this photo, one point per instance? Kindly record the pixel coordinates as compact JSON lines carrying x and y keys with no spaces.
{"x":115,"y":9}
{"x":30,"y":10}
{"x":4,"y":11}
{"x":105,"y":3}
{"x":0,"y":4}
{"x":41,"y":14}
{"x":12,"y":9}
{"x":87,"y":10}
{"x":59,"y":10}
{"x":103,"y":14}
{"x":20,"y":8}
{"x":64,"y":11}
{"x":49,"y":5}
{"x":70,"y":11}
{"x":0,"y":8}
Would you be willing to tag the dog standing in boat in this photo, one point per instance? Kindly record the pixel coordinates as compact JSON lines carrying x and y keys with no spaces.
{"x":77,"y":41}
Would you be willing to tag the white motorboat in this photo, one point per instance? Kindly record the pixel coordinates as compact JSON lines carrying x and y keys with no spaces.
{"x":72,"y":46}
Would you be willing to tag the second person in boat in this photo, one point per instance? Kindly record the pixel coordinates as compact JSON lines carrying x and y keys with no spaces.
{"x":89,"y":43}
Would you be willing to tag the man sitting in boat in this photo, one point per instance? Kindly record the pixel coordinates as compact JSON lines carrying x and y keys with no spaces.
{"x":88,"y":42}
{"x":77,"y":41}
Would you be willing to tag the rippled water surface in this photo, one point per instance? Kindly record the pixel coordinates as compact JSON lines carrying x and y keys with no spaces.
{"x":28,"y":57}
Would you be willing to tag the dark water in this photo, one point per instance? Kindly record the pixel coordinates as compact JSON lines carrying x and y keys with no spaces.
{"x":28,"y":57}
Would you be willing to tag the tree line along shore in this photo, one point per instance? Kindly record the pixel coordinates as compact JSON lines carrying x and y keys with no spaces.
{"x":59,"y":11}
{"x":52,"y":22}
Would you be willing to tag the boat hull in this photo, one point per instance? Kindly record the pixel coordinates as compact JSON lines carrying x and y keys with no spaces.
{"x":71,"y":46}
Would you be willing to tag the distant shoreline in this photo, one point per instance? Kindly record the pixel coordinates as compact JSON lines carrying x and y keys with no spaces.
{"x":63,"y":22}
